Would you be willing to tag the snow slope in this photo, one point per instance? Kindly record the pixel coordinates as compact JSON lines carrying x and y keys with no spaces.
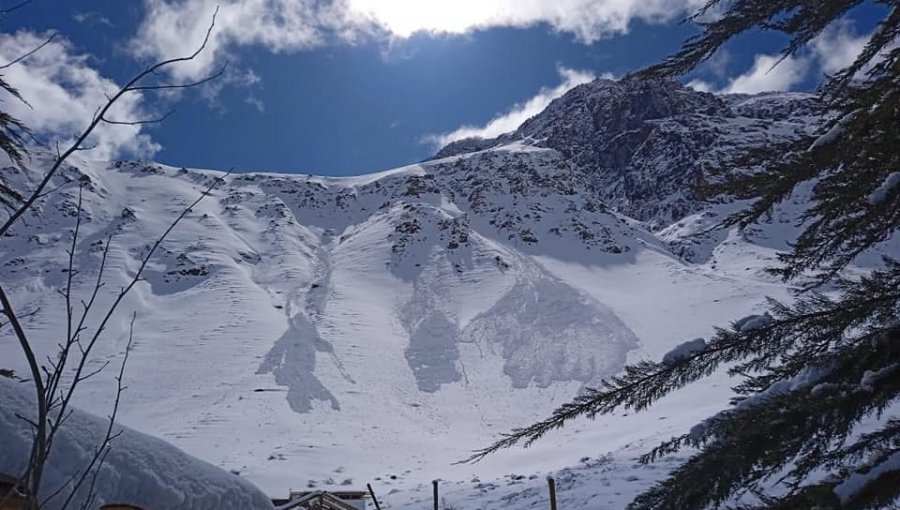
{"x":327,"y":332}
{"x":307,"y":331}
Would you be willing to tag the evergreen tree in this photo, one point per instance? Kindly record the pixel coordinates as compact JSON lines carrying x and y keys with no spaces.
{"x":12,"y":132}
{"x":811,"y":371}
{"x":12,"y":143}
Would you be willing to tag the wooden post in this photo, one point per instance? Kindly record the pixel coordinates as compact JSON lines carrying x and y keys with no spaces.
{"x":434,"y":484}
{"x":374,"y":499}
{"x":552,"y":483}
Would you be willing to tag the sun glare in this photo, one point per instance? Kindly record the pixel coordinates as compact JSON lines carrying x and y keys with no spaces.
{"x":405,"y":17}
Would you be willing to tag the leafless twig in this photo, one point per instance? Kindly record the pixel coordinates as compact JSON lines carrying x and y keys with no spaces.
{"x":16,"y":7}
{"x":30,"y":53}
{"x":138,"y":122}
{"x":53,"y":397}
{"x":132,"y":86}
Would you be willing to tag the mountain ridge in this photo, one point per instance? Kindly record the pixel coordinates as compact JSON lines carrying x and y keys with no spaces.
{"x":402,"y":318}
{"x":643,"y":142}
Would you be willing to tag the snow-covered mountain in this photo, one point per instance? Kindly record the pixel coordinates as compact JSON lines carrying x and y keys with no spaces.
{"x":645,"y":144}
{"x":310,"y":331}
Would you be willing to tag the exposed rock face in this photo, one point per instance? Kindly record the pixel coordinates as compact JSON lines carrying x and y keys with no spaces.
{"x":644,"y":144}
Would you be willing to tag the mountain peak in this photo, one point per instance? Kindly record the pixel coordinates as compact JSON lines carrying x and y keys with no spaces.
{"x":643,"y":144}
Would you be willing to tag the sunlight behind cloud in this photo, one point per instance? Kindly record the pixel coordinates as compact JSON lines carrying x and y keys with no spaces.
{"x":174,"y":28}
{"x":588,"y":20}
{"x":403,"y":18}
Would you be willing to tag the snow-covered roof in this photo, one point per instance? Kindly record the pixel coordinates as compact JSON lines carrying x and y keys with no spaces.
{"x":139,"y":470}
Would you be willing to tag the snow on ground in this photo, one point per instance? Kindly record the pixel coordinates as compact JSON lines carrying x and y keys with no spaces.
{"x":311,"y":332}
{"x":138,"y":470}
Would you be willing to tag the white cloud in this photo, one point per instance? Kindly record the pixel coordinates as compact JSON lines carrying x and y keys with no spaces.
{"x":65,"y":92}
{"x":717,"y":65}
{"x":766,"y":76}
{"x":256,"y":103}
{"x":588,"y":20}
{"x":837,"y":47}
{"x":177,"y":27}
{"x":91,"y":18}
{"x":519,"y":113}
{"x":833,"y":50}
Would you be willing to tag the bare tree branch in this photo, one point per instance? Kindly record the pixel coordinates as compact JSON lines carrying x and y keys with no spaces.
{"x":99,"y":457}
{"x":14,"y":491}
{"x":209,"y":78}
{"x":16,"y":7}
{"x":64,"y":398}
{"x":53,"y":381}
{"x":52,"y":190}
{"x":33,"y":477}
{"x":48,"y":386}
{"x":61,"y":488}
{"x":27,"y":420}
{"x":77,"y":145}
{"x":138,"y":122}
{"x":30,"y":53}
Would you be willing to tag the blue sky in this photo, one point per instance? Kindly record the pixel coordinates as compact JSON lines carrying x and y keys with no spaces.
{"x":340,"y":87}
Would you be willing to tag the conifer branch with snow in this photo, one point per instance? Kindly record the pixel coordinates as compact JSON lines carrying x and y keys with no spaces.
{"x":812,"y":371}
